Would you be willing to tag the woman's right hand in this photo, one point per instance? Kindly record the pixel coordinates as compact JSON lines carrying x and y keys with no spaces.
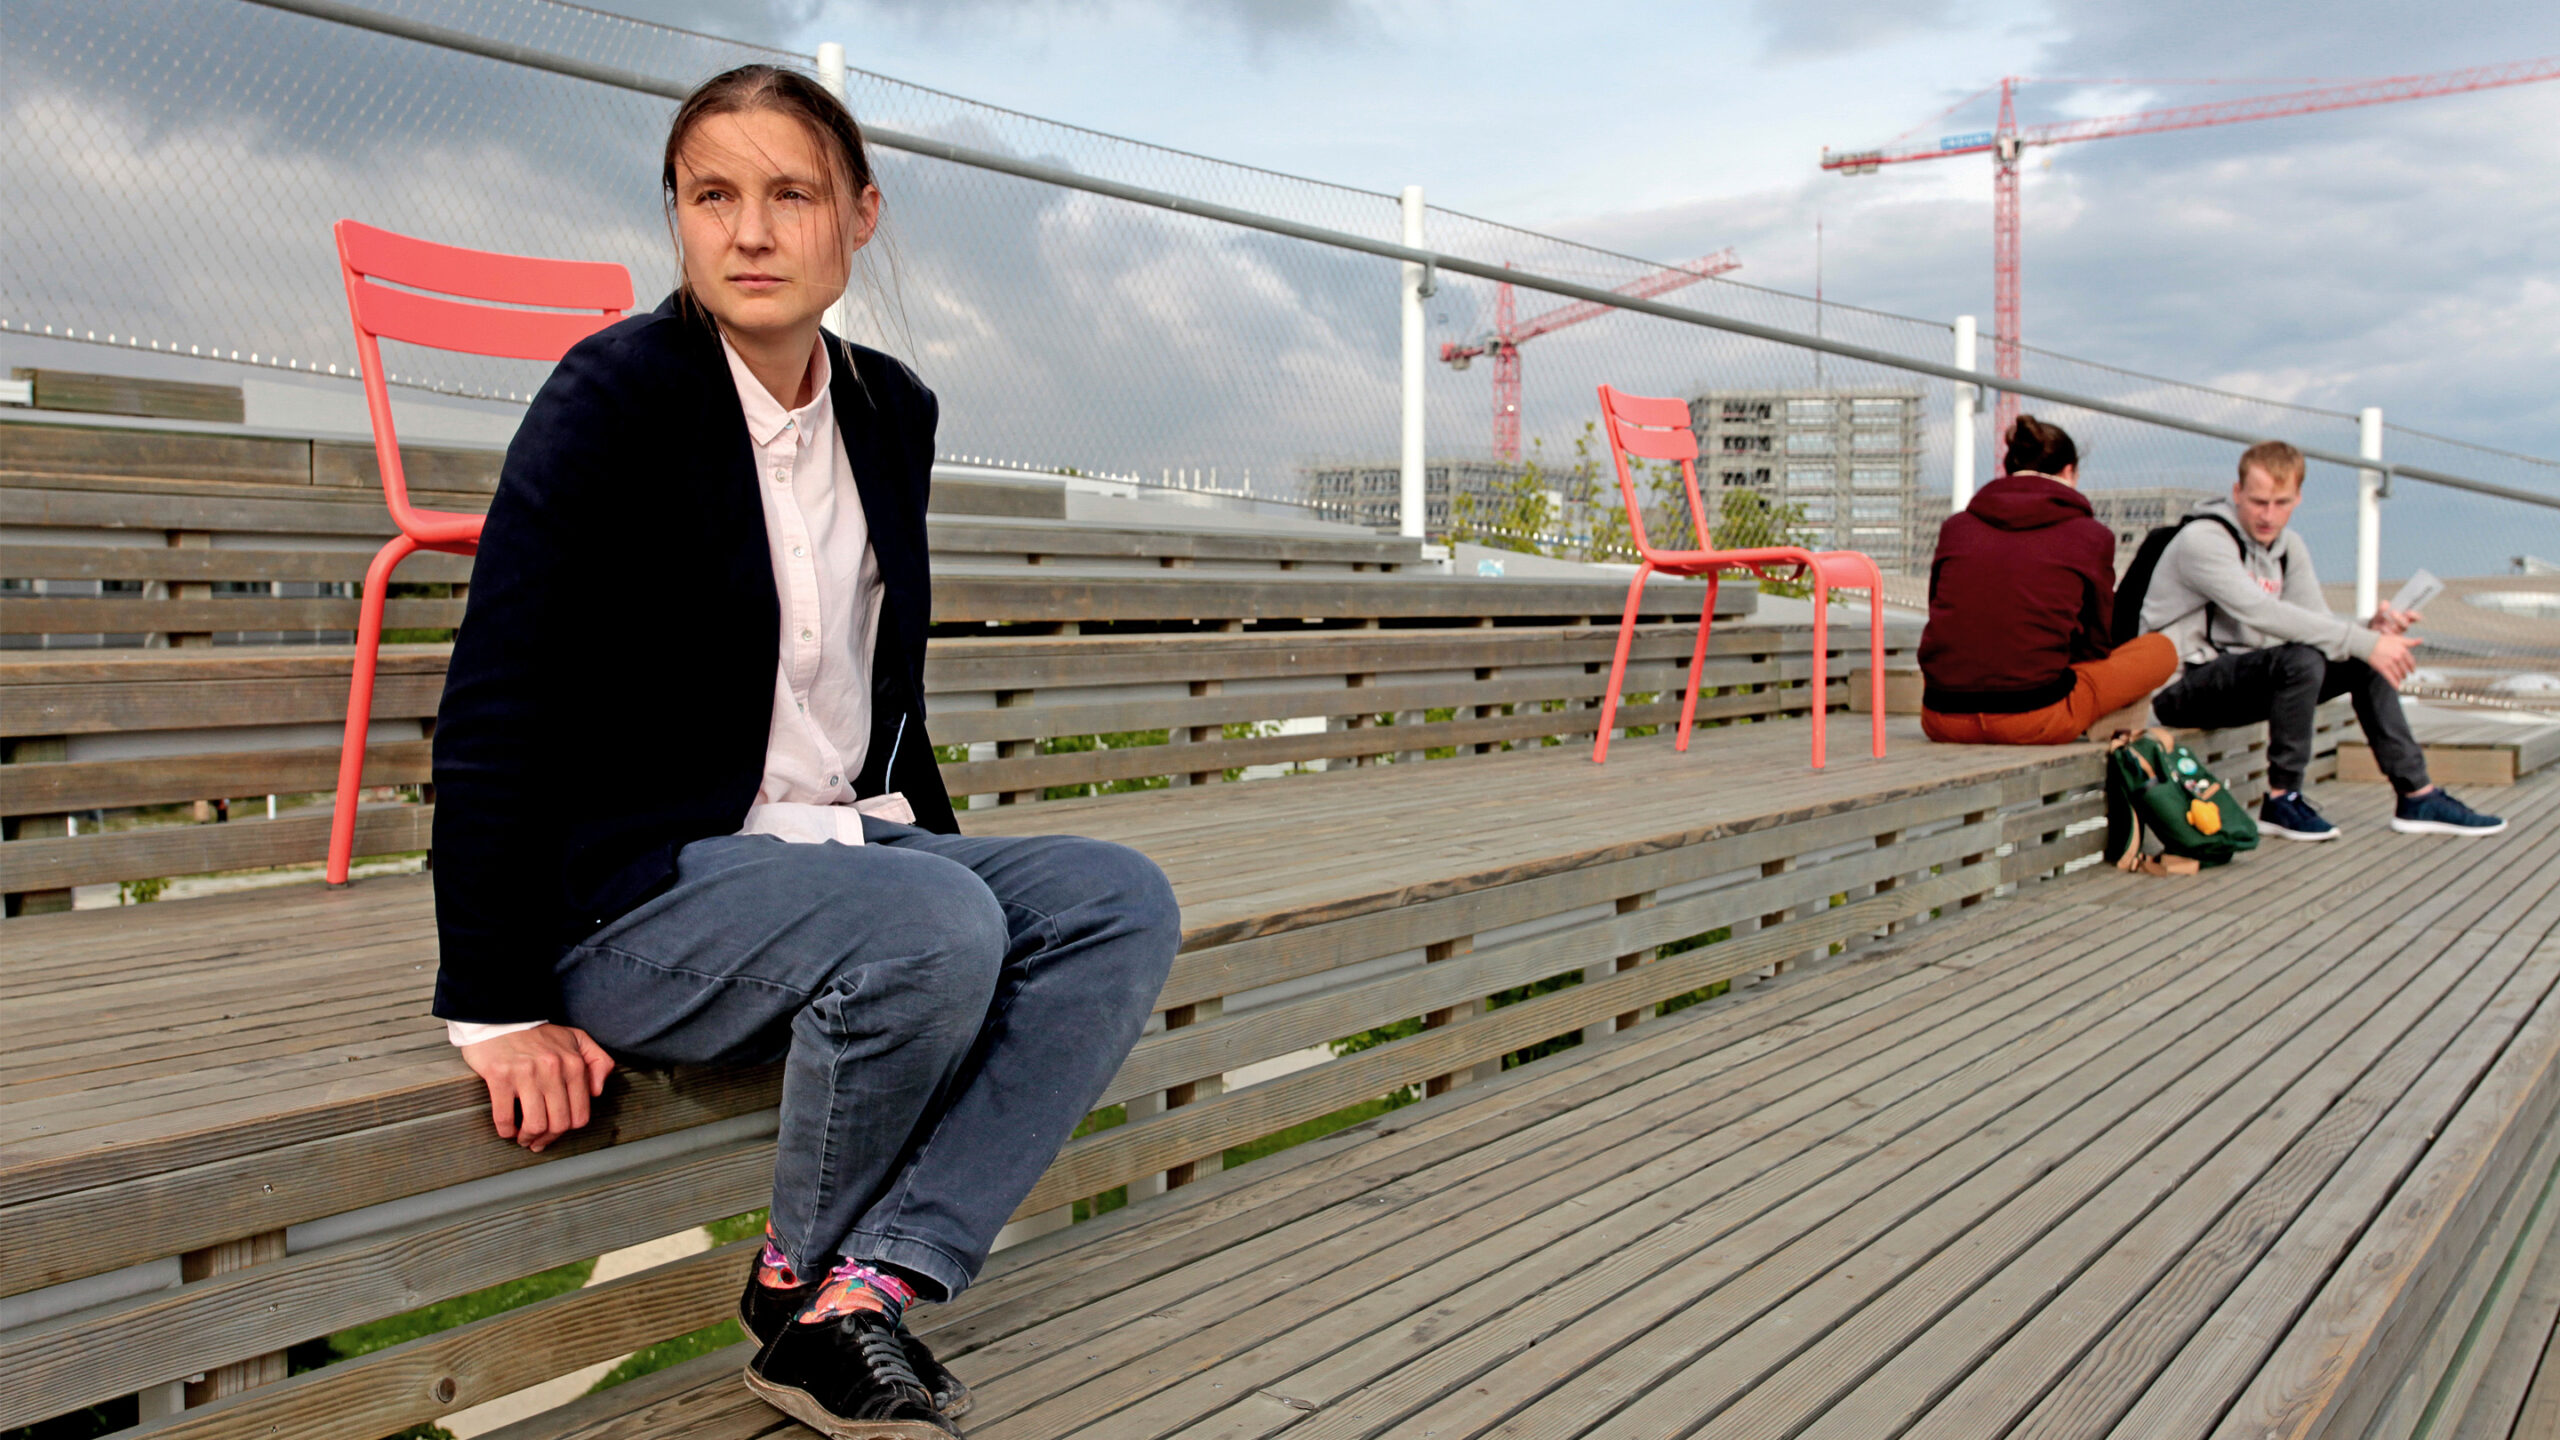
{"x":540,"y":1081}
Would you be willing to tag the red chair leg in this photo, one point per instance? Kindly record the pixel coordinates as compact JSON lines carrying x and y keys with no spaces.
{"x":1698,"y":658}
{"x":342,"y":820}
{"x":1821,"y":671}
{"x":1618,"y":666}
{"x":1875,"y":658}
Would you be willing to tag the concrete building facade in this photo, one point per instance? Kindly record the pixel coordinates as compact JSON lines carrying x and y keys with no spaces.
{"x":1849,"y":459}
{"x":1371,"y":494}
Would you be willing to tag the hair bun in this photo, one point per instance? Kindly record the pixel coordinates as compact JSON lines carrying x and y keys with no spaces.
{"x":2039,"y":446}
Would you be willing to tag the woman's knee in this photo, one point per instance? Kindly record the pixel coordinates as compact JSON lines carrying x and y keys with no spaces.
{"x":1127,"y":882}
{"x":918,"y":924}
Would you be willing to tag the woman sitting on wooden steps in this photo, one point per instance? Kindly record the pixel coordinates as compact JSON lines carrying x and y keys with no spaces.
{"x":700,"y":822}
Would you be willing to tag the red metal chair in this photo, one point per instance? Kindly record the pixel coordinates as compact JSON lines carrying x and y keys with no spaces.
{"x":1654,"y":429}
{"x":478,"y":322}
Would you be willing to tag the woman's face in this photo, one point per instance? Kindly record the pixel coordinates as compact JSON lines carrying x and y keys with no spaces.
{"x":767,"y":227}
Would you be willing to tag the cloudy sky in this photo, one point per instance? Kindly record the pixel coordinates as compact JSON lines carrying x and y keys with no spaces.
{"x":2406,"y":256}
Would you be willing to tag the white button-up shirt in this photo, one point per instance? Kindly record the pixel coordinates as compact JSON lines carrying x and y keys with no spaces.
{"x":829,"y":584}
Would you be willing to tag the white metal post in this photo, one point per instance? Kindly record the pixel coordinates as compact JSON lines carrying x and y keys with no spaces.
{"x":1967,"y":396}
{"x":1409,"y":497}
{"x":831,"y":75}
{"x":2369,"y":515}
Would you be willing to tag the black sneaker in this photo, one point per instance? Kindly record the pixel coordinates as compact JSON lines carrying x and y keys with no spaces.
{"x":764,"y":1309}
{"x":2286,"y":813}
{"x":2437,"y":813}
{"x":848,"y":1379}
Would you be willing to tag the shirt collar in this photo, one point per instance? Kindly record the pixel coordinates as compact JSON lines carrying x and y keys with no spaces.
{"x":766,"y":419}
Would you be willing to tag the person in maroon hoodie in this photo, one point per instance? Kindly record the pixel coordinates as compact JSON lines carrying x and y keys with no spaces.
{"x":2021,"y":592}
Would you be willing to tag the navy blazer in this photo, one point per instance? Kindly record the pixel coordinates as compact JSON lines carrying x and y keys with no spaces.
{"x":611,"y":691}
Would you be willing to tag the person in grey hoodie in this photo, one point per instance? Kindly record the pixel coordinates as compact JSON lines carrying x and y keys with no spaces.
{"x":2236,"y":593}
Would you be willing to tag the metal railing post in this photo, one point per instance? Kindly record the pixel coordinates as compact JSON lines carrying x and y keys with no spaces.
{"x":2369,"y":494}
{"x":1967,"y":397}
{"x":1409,"y":490}
{"x":830,"y":60}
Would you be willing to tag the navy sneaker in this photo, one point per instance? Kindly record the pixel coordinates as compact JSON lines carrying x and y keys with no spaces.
{"x":2286,"y":813}
{"x":2437,"y":813}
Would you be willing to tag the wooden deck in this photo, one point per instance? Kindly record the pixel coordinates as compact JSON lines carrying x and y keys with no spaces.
{"x":2241,"y":1155}
{"x":2464,"y":748}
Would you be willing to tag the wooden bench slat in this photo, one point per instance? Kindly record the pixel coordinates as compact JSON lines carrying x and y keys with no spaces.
{"x":85,"y":784}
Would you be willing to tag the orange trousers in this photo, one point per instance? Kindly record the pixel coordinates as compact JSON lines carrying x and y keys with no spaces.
{"x":2101,"y":687}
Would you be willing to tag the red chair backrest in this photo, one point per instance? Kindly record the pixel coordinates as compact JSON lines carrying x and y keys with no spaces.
{"x":580,"y":297}
{"x":1652,"y":428}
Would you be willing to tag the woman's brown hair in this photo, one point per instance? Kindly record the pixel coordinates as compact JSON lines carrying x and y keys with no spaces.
{"x":2038,"y":446}
{"x":785,"y":92}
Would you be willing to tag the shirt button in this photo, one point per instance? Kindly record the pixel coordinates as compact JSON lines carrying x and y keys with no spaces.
{"x":831,"y":779}
{"x":806,"y":635}
{"x":799,"y":550}
{"x":780,"y":475}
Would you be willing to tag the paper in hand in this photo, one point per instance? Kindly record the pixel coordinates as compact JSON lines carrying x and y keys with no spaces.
{"x":2421,"y":589}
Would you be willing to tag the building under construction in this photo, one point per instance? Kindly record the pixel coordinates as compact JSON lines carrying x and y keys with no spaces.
{"x":1371,"y":494}
{"x":1847,"y":459}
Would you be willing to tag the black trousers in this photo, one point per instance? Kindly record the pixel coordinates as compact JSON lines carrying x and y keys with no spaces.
{"x":2282,"y":685}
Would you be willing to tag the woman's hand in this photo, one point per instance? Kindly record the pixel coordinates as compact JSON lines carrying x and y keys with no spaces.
{"x":548,"y":1073}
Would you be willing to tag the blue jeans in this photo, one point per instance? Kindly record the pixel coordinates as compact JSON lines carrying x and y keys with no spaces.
{"x":946,"y":1009}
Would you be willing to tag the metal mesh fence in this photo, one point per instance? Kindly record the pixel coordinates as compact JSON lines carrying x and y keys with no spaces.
{"x":180,"y":162}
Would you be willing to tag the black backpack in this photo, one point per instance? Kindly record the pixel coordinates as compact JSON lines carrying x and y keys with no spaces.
{"x":2136,"y":580}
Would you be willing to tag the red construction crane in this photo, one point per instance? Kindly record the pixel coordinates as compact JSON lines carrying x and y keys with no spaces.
{"x":2006,"y":141}
{"x":1504,"y":340}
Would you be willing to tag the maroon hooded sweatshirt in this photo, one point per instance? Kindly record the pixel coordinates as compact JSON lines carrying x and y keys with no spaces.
{"x":2021,"y":588}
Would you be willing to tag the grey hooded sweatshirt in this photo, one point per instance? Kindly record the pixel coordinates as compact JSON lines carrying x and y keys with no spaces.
{"x":2213,"y":597}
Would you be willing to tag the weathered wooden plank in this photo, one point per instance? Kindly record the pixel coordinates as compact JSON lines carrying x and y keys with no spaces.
{"x":1731,"y":1045}
{"x":957,"y":535}
{"x":2084,"y":1363}
{"x":1219,"y":1045}
{"x":77,"y":391}
{"x":1747,"y":1157}
{"x":426,"y":1378}
{"x":83,"y":784}
{"x":2508,"y":1378}
{"x":1386,"y":697}
{"x":1097,"y":1162}
{"x":214,"y":506}
{"x":85,"y":450}
{"x":115,"y":707}
{"x":1629,"y":1293}
{"x":1035,"y":594}
{"x":2125,"y":1244}
{"x":2446,"y":1368}
{"x":247,"y":844}
{"x":700,"y":1399}
{"x":447,"y":469}
{"x":117,"y":615}
{"x":432,"y":1133}
{"x":1774,"y":1360}
{"x":59,"y":1366}
{"x":2291,"y":1377}
{"x":191,"y":564}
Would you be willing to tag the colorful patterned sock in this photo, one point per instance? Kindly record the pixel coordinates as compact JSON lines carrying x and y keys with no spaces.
{"x":773,"y":1268}
{"x":853,"y":1286}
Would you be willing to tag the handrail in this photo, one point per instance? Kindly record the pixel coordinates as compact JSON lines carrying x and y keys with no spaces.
{"x":357,"y":16}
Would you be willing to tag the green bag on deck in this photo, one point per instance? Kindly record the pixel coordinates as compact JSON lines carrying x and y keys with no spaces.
{"x":2156,"y":784}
